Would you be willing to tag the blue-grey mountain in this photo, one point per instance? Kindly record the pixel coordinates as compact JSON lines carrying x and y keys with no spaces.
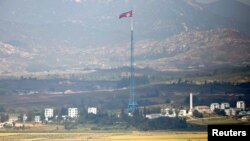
{"x":169,"y":34}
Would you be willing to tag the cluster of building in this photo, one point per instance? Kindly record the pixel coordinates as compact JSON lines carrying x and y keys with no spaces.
{"x":49,"y":114}
{"x":240,"y":110}
{"x":229,"y":111}
{"x":168,"y":112}
{"x":73,"y":113}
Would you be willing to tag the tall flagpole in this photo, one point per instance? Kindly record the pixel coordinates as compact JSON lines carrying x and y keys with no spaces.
{"x":132,"y":100}
{"x":132,"y":104}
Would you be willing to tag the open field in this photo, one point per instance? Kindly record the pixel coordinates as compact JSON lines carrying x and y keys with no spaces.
{"x":129,"y":136}
{"x":217,"y":120}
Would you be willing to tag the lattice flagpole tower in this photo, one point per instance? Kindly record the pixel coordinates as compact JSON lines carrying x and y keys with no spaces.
{"x":132,"y":104}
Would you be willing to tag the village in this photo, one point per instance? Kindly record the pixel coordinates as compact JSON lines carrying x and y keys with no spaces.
{"x":222,"y":109}
{"x":72,"y":114}
{"x":47,"y":117}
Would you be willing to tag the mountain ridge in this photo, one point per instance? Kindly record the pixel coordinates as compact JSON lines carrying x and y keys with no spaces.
{"x":185,"y":51}
{"x":88,"y":34}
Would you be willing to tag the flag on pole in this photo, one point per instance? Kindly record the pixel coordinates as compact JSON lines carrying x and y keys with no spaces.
{"x":126,"y":14}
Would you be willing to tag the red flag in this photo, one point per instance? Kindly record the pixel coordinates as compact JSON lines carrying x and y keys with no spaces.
{"x":126,"y":14}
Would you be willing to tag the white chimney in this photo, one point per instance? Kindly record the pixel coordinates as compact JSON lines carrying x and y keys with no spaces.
{"x":191,"y":101}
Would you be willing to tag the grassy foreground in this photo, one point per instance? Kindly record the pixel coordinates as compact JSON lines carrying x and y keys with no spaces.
{"x":129,"y":136}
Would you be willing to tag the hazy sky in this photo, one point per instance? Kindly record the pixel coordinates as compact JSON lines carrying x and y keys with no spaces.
{"x":207,"y":1}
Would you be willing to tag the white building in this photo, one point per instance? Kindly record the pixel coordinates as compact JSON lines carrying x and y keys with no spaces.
{"x":48,"y":113}
{"x":169,"y":112}
{"x":153,"y":116}
{"x":24,"y":117}
{"x":182,"y":113}
{"x":203,"y":109}
{"x":37,"y":118}
{"x":214,"y":106}
{"x":242,"y":113}
{"x":92,"y":110}
{"x":72,"y":112}
{"x":13,"y":118}
{"x":224,"y":106}
{"x":230,"y":112}
{"x":64,"y":117}
{"x":240,"y":105}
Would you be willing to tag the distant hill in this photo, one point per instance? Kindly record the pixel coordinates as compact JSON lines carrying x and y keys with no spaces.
{"x":187,"y":50}
{"x":169,"y":35}
{"x":197,"y":50}
{"x":194,"y":50}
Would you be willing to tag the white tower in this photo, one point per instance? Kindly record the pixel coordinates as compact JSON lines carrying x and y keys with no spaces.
{"x":191,"y":105}
{"x":191,"y":101}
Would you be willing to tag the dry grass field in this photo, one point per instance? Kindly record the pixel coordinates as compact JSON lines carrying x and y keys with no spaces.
{"x":129,"y":136}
